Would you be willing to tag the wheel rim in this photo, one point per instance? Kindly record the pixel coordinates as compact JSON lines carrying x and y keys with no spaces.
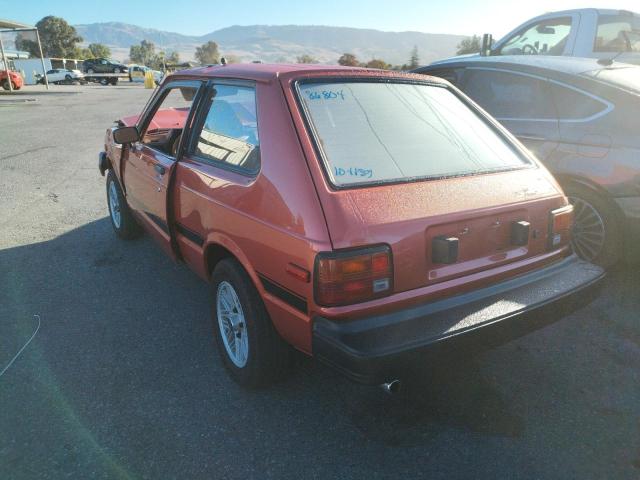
{"x":589,"y":232}
{"x":114,"y":205}
{"x":231,"y":322}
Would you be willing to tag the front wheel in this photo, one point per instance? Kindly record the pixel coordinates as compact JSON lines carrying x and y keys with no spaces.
{"x":250,"y":348}
{"x":90,"y":71}
{"x":5,"y":84}
{"x":120,"y":214}
{"x":596,"y":235}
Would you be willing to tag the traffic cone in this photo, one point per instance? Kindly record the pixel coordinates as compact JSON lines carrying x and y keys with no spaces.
{"x":149,"y":82}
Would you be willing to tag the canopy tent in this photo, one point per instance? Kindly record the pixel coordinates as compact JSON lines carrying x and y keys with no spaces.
{"x":11,"y":26}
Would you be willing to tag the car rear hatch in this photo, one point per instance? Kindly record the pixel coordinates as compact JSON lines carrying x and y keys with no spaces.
{"x":413,"y":167}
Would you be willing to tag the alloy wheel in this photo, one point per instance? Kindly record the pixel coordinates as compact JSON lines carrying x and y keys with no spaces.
{"x":589,"y":231}
{"x":232,"y":324}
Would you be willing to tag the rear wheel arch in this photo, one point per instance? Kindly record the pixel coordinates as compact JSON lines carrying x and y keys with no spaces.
{"x":222,"y":248}
{"x":568,"y":181}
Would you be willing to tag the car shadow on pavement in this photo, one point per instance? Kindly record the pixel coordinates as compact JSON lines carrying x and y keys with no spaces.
{"x":124,"y":367}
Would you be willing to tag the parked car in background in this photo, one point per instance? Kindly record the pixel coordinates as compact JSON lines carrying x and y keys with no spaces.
{"x":17,"y":81}
{"x":137,"y":73}
{"x":103,"y":65}
{"x":372,"y":219}
{"x":585,"y":32}
{"x":579,"y":118}
{"x":57,"y":75}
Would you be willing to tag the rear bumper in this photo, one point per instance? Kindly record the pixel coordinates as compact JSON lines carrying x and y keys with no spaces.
{"x":380,"y":348}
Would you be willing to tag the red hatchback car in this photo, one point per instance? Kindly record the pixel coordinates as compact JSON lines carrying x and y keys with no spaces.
{"x":371,"y":219}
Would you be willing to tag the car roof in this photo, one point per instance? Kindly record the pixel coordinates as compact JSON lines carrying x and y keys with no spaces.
{"x":270,"y":71}
{"x":566,"y":65}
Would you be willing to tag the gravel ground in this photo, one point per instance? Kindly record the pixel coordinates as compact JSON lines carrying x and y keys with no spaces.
{"x":122,"y":379}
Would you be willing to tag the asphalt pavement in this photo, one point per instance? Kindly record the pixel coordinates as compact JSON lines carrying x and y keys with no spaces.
{"x":122,"y":378}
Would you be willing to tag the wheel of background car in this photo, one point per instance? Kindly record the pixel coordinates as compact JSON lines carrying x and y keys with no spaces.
{"x":67,"y":77}
{"x":528,"y":47}
{"x":104,"y":81}
{"x":90,"y":70}
{"x":5,"y":84}
{"x":597,"y":232}
{"x":250,"y":348}
{"x":120,"y":214}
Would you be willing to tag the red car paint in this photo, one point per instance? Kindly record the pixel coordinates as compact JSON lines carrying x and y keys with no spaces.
{"x":277,"y":222}
{"x":16,"y":80}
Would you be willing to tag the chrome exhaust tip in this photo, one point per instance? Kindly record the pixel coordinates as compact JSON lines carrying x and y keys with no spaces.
{"x":391,"y":387}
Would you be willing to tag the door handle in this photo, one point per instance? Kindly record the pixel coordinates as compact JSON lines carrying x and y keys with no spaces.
{"x":160,"y":170}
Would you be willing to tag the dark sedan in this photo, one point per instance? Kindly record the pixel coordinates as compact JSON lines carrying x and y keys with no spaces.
{"x":103,"y":65}
{"x":579,"y":117}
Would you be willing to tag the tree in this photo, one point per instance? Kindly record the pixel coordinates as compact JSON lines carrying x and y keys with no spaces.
{"x":306,"y":59}
{"x":469,"y":45}
{"x":414,"y":61}
{"x":348,"y":60}
{"x":144,"y":53}
{"x":98,"y":50}
{"x":208,"y":54}
{"x":58,"y":39}
{"x":377,"y":63}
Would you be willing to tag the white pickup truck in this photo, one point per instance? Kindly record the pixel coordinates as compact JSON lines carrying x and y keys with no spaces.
{"x":587,"y":32}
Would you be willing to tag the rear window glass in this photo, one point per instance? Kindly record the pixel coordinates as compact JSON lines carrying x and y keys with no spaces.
{"x":372,"y":132}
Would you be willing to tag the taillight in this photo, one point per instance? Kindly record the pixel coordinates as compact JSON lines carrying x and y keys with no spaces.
{"x":353,"y":276}
{"x":560,"y":224}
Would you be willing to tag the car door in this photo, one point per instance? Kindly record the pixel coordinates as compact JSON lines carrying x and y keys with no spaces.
{"x":151,"y":160}
{"x":219,"y":165}
{"x":523,"y":103}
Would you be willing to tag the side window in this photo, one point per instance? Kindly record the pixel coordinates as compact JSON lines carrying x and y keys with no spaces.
{"x":574,"y":105}
{"x":617,"y":33}
{"x":548,"y":37}
{"x":165,"y":128}
{"x":229,"y":133}
{"x":510,"y":96}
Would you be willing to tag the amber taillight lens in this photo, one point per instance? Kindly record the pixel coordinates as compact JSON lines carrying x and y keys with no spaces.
{"x":353,"y":276}
{"x":560,"y":225}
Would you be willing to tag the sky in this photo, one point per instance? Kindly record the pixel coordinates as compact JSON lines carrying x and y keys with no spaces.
{"x":193,"y":17}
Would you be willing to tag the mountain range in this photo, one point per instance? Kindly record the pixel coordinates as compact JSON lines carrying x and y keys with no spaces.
{"x":279,"y":43}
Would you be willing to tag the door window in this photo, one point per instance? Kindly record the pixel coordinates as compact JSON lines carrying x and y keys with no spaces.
{"x":165,"y":127}
{"x":618,"y":33}
{"x":229,"y":132}
{"x":548,"y":37}
{"x":509,"y":95}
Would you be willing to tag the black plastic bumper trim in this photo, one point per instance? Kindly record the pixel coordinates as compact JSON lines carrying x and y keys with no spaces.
{"x":375,"y":349}
{"x":283,"y":294}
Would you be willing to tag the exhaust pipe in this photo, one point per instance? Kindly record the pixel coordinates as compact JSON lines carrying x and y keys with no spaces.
{"x":391,"y":387}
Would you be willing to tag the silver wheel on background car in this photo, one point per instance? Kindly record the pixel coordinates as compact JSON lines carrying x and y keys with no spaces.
{"x":114,"y":205}
{"x":232,"y":324}
{"x":589,"y":233}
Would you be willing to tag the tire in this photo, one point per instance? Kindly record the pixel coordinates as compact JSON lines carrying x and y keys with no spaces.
{"x":5,"y":84}
{"x":67,"y":77}
{"x":90,"y":71}
{"x":266,"y":357}
{"x":597,"y":233}
{"x":120,"y":214}
{"x":104,"y":82}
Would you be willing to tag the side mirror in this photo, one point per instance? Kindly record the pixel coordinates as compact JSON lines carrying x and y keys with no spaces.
{"x":487,"y":45}
{"x":124,"y":135}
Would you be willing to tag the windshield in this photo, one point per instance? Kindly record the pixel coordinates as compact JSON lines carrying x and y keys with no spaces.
{"x":618,"y":33}
{"x":548,"y":37}
{"x":372,"y":132}
{"x":625,"y":77}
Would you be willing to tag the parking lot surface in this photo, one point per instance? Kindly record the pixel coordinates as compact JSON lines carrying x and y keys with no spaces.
{"x":122,"y":379}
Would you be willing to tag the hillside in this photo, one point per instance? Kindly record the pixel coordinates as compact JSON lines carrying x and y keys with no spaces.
{"x":280,"y":43}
